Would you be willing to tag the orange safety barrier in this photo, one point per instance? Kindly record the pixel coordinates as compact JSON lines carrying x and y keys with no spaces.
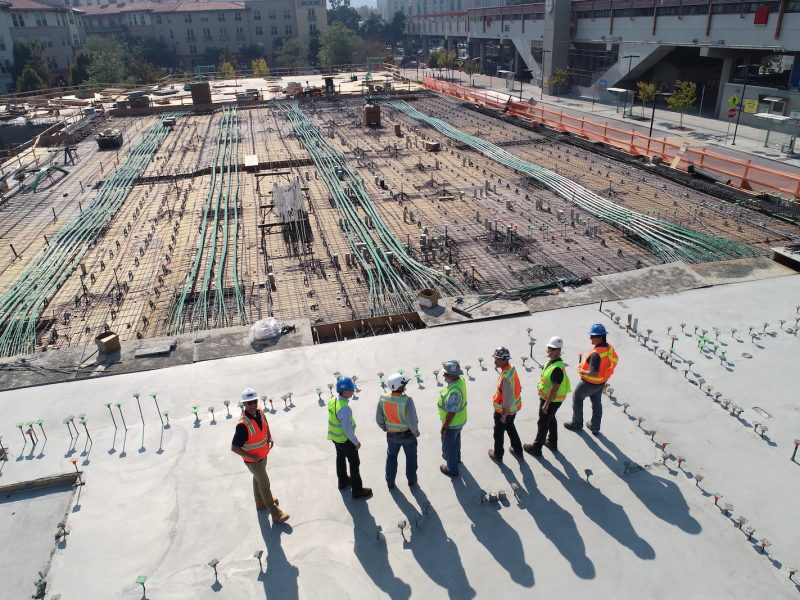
{"x":742,"y":174}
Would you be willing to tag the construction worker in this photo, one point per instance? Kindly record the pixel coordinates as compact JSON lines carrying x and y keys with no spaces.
{"x":397,"y":416}
{"x":553,"y":388}
{"x":252,"y":441}
{"x":506,"y":403}
{"x":342,"y":431}
{"x":453,"y":414}
{"x":595,"y":370}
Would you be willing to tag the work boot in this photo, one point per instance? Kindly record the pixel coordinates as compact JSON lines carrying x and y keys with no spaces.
{"x":573,"y":426}
{"x":278,"y":516}
{"x":552,"y":445}
{"x":364,"y":492}
{"x":261,"y":506}
{"x":344,"y":484}
{"x":443,"y":469}
{"x":595,"y":432}
{"x":515,"y":454}
{"x":535,"y":449}
{"x":499,"y":461}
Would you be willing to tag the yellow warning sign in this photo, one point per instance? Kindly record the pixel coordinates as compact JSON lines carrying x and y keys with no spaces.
{"x":751,"y":106}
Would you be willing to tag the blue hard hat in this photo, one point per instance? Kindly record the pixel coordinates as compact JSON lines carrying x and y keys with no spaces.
{"x":345,"y":384}
{"x":598,"y":329}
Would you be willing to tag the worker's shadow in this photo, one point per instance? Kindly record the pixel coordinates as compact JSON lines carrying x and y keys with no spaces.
{"x":371,"y":551}
{"x":661,"y":496}
{"x":609,"y":516}
{"x":553,"y":521}
{"x":491,"y":530}
{"x":280,"y":578}
{"x":433,"y":550}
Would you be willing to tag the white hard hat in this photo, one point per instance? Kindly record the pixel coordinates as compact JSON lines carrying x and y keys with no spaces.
{"x":249,"y":394}
{"x":395,"y":381}
{"x":555,"y":342}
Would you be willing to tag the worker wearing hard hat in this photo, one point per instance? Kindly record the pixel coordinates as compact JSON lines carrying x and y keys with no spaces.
{"x":553,"y":387}
{"x":595,"y":370}
{"x":397,"y":416}
{"x":252,"y":441}
{"x":453,"y":414}
{"x":506,"y":403}
{"x":342,"y":431}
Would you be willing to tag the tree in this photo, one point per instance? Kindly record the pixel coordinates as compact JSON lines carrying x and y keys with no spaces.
{"x":79,"y":69}
{"x":29,"y":54}
{"x":337,"y":45}
{"x":292,"y":53}
{"x":250,"y":53}
{"x":313,"y":48}
{"x":260,"y":68}
{"x":372,"y":28}
{"x":396,"y":29}
{"x":557,"y":79}
{"x":647,"y":92}
{"x":470,"y":67}
{"x":214,"y":55}
{"x":345,"y":15}
{"x":109,"y":59}
{"x":226,"y":71}
{"x":433,"y":60}
{"x":336,"y":4}
{"x":684,"y":97}
{"x":29,"y":80}
{"x":154,"y":51}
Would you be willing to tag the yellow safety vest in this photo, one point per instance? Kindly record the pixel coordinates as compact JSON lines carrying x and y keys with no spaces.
{"x":459,"y":386}
{"x":545,"y":384}
{"x":335,"y":429}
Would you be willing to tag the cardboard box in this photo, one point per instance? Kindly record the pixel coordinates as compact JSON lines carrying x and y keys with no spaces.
{"x":428,"y":298}
{"x":107,"y":342}
{"x":432,"y":146}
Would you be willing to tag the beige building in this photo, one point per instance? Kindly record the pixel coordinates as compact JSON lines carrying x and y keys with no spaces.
{"x":191,"y":28}
{"x":59,"y":29}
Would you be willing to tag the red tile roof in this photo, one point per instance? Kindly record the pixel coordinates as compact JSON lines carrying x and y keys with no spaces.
{"x":32,"y":5}
{"x":155,"y":7}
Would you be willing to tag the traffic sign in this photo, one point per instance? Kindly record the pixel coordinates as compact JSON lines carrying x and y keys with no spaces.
{"x":731,"y":113}
{"x":733,"y":101}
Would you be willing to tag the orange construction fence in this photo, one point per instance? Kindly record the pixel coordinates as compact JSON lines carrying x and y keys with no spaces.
{"x":742,"y":174}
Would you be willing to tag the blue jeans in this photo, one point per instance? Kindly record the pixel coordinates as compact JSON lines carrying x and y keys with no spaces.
{"x":451,"y":449}
{"x":595,"y":393}
{"x":406,"y":441}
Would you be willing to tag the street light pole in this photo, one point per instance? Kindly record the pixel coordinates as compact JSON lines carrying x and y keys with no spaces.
{"x":653,"y":115}
{"x":630,"y":58}
{"x":541,"y":89}
{"x":741,"y":102}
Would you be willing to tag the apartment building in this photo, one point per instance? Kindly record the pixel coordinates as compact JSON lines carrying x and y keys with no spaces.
{"x":191,"y":28}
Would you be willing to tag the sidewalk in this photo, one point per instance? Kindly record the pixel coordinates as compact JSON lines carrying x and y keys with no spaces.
{"x":697,"y":132}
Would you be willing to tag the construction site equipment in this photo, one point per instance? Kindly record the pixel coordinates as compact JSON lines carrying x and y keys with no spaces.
{"x":109,"y":139}
{"x":670,"y":241}
{"x":371,"y":115}
{"x":201,"y":93}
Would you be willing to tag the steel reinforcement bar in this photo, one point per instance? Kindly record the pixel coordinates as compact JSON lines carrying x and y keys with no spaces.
{"x":669,"y":241}
{"x":392,"y":275}
{"x":21,"y":305}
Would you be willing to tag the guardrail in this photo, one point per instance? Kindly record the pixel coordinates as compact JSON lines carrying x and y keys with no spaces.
{"x":743,"y":174}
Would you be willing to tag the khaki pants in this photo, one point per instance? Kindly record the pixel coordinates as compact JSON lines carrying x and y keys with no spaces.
{"x":261,"y":489}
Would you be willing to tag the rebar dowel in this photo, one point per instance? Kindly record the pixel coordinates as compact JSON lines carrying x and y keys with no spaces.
{"x":111,"y":412}
{"x":139,"y":404}
{"x":121,"y":416}
{"x":158,"y":408}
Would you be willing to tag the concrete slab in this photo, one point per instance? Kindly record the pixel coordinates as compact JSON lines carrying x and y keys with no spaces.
{"x":586,"y":294}
{"x":494,"y":309}
{"x":176,"y":498}
{"x":650,"y":281}
{"x":743,"y":269}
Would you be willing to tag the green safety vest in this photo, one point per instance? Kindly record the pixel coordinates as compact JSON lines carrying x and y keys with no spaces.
{"x":394,"y":412}
{"x":545,"y":385}
{"x":335,"y":429}
{"x":459,"y":386}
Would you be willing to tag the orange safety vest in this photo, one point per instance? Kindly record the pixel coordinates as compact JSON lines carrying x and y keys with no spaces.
{"x":394,"y":412}
{"x":257,"y":439}
{"x":608,"y":362}
{"x":509,"y":373}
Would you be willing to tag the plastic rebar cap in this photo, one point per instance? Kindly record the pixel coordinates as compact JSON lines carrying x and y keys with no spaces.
{"x":395,"y":381}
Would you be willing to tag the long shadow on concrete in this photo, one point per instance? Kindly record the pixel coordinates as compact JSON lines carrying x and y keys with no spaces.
{"x":280,"y":578}
{"x":491,"y":530}
{"x":608,"y":515}
{"x":554,"y":522}
{"x":371,"y":551}
{"x":435,"y":552}
{"x":661,"y":496}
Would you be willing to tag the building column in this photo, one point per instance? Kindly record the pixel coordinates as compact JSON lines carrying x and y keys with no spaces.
{"x":728,"y":68}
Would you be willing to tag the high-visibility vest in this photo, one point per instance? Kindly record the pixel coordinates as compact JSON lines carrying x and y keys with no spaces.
{"x":458,"y":386}
{"x":509,"y":373}
{"x":258,"y":438}
{"x":394,"y":412}
{"x":545,"y":384}
{"x":335,"y":429}
{"x":608,"y":362}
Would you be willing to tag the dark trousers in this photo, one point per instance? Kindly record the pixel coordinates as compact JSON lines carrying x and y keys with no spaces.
{"x":500,"y":429}
{"x":347,"y":451}
{"x":546,"y":426}
{"x":406,"y":441}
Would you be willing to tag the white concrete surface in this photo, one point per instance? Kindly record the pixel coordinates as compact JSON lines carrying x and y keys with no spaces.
{"x":165,"y":506}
